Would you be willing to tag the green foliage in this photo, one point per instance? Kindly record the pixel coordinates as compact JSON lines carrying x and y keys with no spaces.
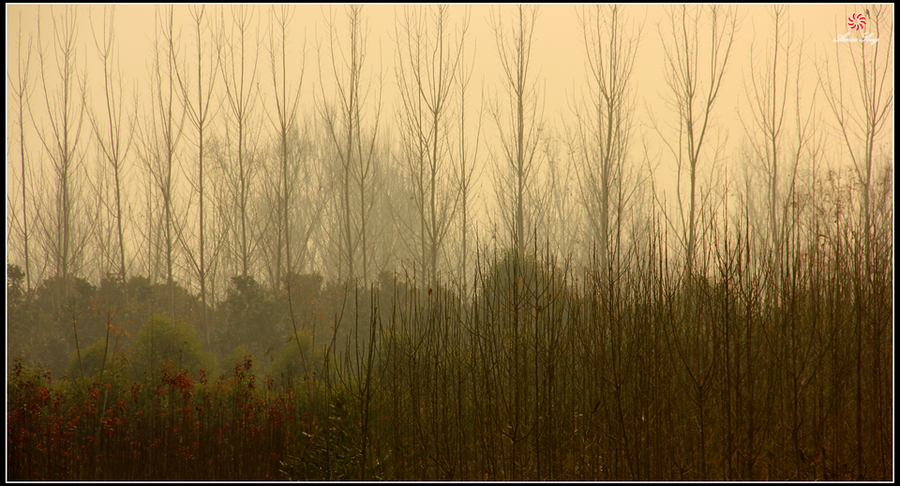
{"x":238,"y":356}
{"x":49,"y":318}
{"x":312,"y":305}
{"x":330,"y":455}
{"x":97,"y":356}
{"x":250,"y":317}
{"x":15,"y":277}
{"x":517,"y":274}
{"x":22,"y":380}
{"x":288,"y":363}
{"x":160,"y":342}
{"x":306,"y":283}
{"x":20,"y":335}
{"x":42,"y":323}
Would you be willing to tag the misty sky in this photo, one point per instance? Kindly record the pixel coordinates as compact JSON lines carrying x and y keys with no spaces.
{"x":558,"y":60}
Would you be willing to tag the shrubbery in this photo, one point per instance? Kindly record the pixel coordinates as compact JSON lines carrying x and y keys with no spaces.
{"x":161,"y":343}
{"x":540,"y":373}
{"x":648,"y":382}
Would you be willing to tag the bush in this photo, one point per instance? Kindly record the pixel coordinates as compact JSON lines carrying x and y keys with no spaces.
{"x":160,"y":342}
{"x":92,"y":360}
{"x":250,"y":317}
{"x":289,"y":366}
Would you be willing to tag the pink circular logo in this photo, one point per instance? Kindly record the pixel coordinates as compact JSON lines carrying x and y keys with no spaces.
{"x":856,"y":21}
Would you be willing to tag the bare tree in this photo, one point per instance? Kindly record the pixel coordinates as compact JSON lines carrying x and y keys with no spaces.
{"x":778,"y":157}
{"x":605,"y":119}
{"x":863,"y":110}
{"x":782,"y":140}
{"x":286,"y":111}
{"x":64,"y":146}
{"x":599,"y":144}
{"x":295,"y":201}
{"x":199,"y":116}
{"x":426,"y":69}
{"x":520,"y":130}
{"x":693,"y":99}
{"x":561,"y":217}
{"x":221,"y":218}
{"x":114,"y":138}
{"x":354,"y":147}
{"x":21,"y":91}
{"x":302,"y":202}
{"x":160,"y":141}
{"x":466,"y":157}
{"x":102,"y":261}
{"x":861,"y":122}
{"x":235,"y":49}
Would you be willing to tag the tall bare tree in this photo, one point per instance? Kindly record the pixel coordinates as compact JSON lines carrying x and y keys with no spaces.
{"x":198,"y":113}
{"x":693,"y":96}
{"x":466,"y":157}
{"x":781,"y":136}
{"x":102,"y":260}
{"x":160,"y":142}
{"x":605,"y":120}
{"x":64,"y":145}
{"x":521,"y":129}
{"x":21,"y":92}
{"x":221,"y":216}
{"x":354,"y":146}
{"x":561,"y":216}
{"x":426,"y":69}
{"x":775,"y":123}
{"x":694,"y":92}
{"x":862,"y":121}
{"x":600,"y":143}
{"x":863,"y":110}
{"x":239,"y":55}
{"x":296,"y":200}
{"x":113,"y":130}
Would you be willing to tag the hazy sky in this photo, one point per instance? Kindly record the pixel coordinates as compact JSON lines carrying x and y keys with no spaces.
{"x":558,"y":43}
{"x":558,"y":58}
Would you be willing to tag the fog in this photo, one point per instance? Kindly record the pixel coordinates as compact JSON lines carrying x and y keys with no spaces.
{"x":646,"y":242}
{"x":558,"y":69}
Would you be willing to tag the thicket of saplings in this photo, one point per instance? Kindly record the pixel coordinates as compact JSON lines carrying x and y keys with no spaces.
{"x":762,"y":364}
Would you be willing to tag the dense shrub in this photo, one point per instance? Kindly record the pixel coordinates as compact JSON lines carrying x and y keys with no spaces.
{"x":159,"y":342}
